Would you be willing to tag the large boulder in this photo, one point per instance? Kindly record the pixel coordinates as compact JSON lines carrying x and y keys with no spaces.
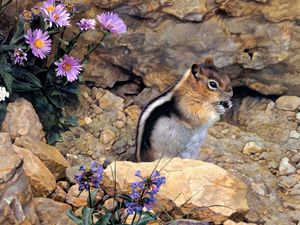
{"x":41,"y":180}
{"x":21,"y":120}
{"x":202,"y":190}
{"x":48,"y":154}
{"x":16,"y":199}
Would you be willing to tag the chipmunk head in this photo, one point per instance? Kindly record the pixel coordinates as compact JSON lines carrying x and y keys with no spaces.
{"x":207,"y":92}
{"x":213,"y":84}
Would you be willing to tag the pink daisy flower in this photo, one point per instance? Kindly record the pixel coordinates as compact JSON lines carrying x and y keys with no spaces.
{"x":39,"y":42}
{"x":48,"y":6}
{"x":86,"y":24}
{"x":57,"y":15}
{"x":69,"y":67}
{"x":112,"y":22}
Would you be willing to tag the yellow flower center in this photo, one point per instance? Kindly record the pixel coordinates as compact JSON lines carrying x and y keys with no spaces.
{"x":50,"y":8}
{"x":67,"y":67}
{"x":38,"y":43}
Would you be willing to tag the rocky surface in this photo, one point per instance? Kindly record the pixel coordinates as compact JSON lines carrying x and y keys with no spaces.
{"x":201,"y":185}
{"x":16,"y":198}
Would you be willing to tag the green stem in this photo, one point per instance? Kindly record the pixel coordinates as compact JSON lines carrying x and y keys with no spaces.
{"x":90,"y":198}
{"x":133,"y":218}
{"x":86,"y":57}
{"x":73,"y":42}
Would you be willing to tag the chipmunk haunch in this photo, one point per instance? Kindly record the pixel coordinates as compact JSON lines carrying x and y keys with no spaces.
{"x":175,"y":123}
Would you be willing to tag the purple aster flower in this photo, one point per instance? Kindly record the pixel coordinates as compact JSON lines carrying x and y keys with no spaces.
{"x":69,"y":67}
{"x":86,"y":24}
{"x":58,"y":16}
{"x":112,"y":22}
{"x":48,"y":6}
{"x":143,"y":192}
{"x":90,"y":176}
{"x":39,"y":42}
{"x":19,"y":56}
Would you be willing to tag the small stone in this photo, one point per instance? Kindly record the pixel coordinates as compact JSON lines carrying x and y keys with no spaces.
{"x":64,"y":185}
{"x":294,"y":134}
{"x":74,"y":198}
{"x":71,"y":172}
{"x":225,"y":131}
{"x":133,"y":112}
{"x":109,"y":101}
{"x":252,"y":148}
{"x":290,"y":103}
{"x":94,"y":92}
{"x":88,"y":120}
{"x":90,"y":153}
{"x":85,"y":94}
{"x":59,"y":194}
{"x":298,"y":116}
{"x":119,"y":124}
{"x":107,"y":138}
{"x":110,"y":204}
{"x":285,"y":168}
{"x":295,"y":158}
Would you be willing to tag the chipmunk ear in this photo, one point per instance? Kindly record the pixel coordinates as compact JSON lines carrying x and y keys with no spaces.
{"x":196,"y":70}
{"x":208,"y":61}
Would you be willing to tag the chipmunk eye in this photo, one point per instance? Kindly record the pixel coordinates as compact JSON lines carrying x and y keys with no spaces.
{"x":213,"y":85}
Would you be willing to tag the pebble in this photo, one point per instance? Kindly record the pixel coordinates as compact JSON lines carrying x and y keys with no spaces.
{"x":294,"y":134}
{"x":107,"y":138}
{"x":285,"y":167}
{"x":225,"y":131}
{"x":252,"y":148}
{"x":88,"y":120}
{"x":298,"y":116}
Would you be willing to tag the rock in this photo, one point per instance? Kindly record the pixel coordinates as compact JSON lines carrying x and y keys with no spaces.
{"x":5,"y":139}
{"x":22,"y":120}
{"x":41,"y":180}
{"x":64,"y":185}
{"x":107,"y":139}
{"x":285,"y":167}
{"x":133,"y":112}
{"x":294,"y":134}
{"x":212,"y":193}
{"x":110,"y":204}
{"x":59,"y":194}
{"x":298,"y":116}
{"x":71,"y":172}
{"x":50,"y":211}
{"x":230,"y":222}
{"x":49,"y":155}
{"x":73,"y":198}
{"x":187,"y":222}
{"x":110,"y":101}
{"x":290,"y":103}
{"x":16,"y":199}
{"x":88,"y":120}
{"x":252,"y":148}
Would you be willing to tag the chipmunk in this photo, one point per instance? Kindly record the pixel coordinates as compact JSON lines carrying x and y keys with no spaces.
{"x":176,"y":122}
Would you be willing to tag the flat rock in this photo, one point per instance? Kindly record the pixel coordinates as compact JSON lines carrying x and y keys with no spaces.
{"x":290,"y":103}
{"x":16,"y":199}
{"x":48,"y":154}
{"x":41,"y":180}
{"x":22,"y":120}
{"x":50,"y":211}
{"x":75,"y":198}
{"x":208,"y":191}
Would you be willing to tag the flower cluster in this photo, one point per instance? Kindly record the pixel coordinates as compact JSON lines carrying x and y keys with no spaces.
{"x":89,"y":177}
{"x":86,"y":24}
{"x":20,"y":56}
{"x":3,"y":94}
{"x":143,"y":192}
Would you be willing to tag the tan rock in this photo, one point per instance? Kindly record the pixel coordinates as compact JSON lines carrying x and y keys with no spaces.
{"x":88,"y":120}
{"x":133,"y":112}
{"x":110,"y":101}
{"x":294,"y":134}
{"x":230,"y":222}
{"x":41,"y":180}
{"x":59,"y":194}
{"x":21,"y":120}
{"x":50,"y":211}
{"x":110,"y":204}
{"x":290,"y":103}
{"x":76,"y":200}
{"x":285,"y":168}
{"x":252,"y":148}
{"x":5,"y":139}
{"x":49,"y":155}
{"x":206,"y":190}
{"x":16,"y":199}
{"x":107,"y":138}
{"x":298,"y":116}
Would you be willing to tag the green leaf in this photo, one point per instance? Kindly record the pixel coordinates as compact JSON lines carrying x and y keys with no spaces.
{"x":124,"y":196}
{"x":87,"y":216}
{"x":106,"y":210}
{"x":104,"y":220}
{"x":26,"y":76}
{"x":77,"y":220}
{"x":146,"y":218}
{"x":70,"y":121}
